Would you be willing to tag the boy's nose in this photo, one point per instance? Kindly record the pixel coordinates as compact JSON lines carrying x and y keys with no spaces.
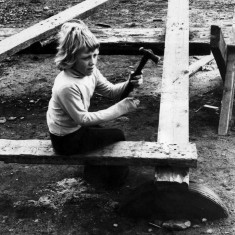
{"x":92,"y":61}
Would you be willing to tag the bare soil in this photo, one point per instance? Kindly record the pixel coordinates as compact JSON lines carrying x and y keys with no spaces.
{"x":46,"y":199}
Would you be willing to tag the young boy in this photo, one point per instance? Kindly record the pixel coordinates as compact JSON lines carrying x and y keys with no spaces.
{"x":73,"y":129}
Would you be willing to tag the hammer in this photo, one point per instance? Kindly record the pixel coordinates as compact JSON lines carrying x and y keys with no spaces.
{"x":148,"y":54}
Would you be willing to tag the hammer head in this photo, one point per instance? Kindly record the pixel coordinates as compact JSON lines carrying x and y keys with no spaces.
{"x":149,"y":54}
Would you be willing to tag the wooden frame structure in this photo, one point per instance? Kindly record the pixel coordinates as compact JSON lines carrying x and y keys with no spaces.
{"x":225,"y":58}
{"x":172,"y":149}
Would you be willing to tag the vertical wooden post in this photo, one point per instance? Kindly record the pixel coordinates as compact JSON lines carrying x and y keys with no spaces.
{"x":232,"y":38}
{"x":232,"y":41}
{"x":174,"y":107}
{"x":228,"y":93}
{"x":227,"y":109}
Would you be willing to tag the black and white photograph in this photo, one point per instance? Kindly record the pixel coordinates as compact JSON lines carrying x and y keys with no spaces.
{"x":117,"y":117}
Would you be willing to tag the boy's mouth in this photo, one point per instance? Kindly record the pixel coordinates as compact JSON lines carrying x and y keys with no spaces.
{"x":90,"y":69}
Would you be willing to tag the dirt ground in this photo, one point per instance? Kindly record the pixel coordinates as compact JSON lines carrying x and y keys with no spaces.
{"x":46,"y":199}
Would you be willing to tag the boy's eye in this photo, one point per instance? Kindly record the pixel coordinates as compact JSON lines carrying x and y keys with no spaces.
{"x":86,"y":58}
{"x":90,"y":56}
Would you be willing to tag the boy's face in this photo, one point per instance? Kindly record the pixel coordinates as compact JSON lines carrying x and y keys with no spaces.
{"x":86,"y":61}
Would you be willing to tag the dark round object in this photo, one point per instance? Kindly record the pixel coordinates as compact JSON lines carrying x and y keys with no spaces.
{"x":173,"y":201}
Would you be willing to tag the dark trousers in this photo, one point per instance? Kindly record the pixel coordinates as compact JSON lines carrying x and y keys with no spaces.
{"x":92,"y":138}
{"x":86,"y":139}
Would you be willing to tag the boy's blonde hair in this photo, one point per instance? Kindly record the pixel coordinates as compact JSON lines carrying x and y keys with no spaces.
{"x":73,"y":37}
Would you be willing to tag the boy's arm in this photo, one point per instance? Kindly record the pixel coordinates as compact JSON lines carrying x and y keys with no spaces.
{"x":71,"y":101}
{"x":120,"y":90}
{"x":108,"y":89}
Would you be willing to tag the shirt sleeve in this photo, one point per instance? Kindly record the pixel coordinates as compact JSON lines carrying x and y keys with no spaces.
{"x":72,"y":103}
{"x":108,"y":89}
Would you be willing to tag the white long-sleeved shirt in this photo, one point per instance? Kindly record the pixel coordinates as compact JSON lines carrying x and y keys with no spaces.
{"x":70,"y":101}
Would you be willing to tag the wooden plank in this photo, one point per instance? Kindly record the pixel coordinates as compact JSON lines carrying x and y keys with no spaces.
{"x":219,"y":49}
{"x":228,"y":93}
{"x":120,"y":153}
{"x":45,"y":28}
{"x":197,"y":35}
{"x":174,"y":108}
{"x":126,"y":40}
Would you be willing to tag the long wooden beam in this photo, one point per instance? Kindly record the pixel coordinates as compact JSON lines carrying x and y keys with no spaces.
{"x":120,"y":153}
{"x":126,"y":40}
{"x":196,"y":35}
{"x":174,"y":106}
{"x":47,"y":27}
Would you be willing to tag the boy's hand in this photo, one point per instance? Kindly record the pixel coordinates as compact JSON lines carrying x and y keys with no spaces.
{"x":134,"y":82}
{"x":137,"y":80}
{"x":129,"y":104}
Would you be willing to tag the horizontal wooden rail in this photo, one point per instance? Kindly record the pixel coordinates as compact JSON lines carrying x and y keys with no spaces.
{"x":200,"y":35}
{"x":125,"y":40}
{"x":120,"y":153}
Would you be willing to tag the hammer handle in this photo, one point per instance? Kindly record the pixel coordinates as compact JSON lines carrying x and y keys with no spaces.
{"x":137,"y":72}
{"x":140,"y":66}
